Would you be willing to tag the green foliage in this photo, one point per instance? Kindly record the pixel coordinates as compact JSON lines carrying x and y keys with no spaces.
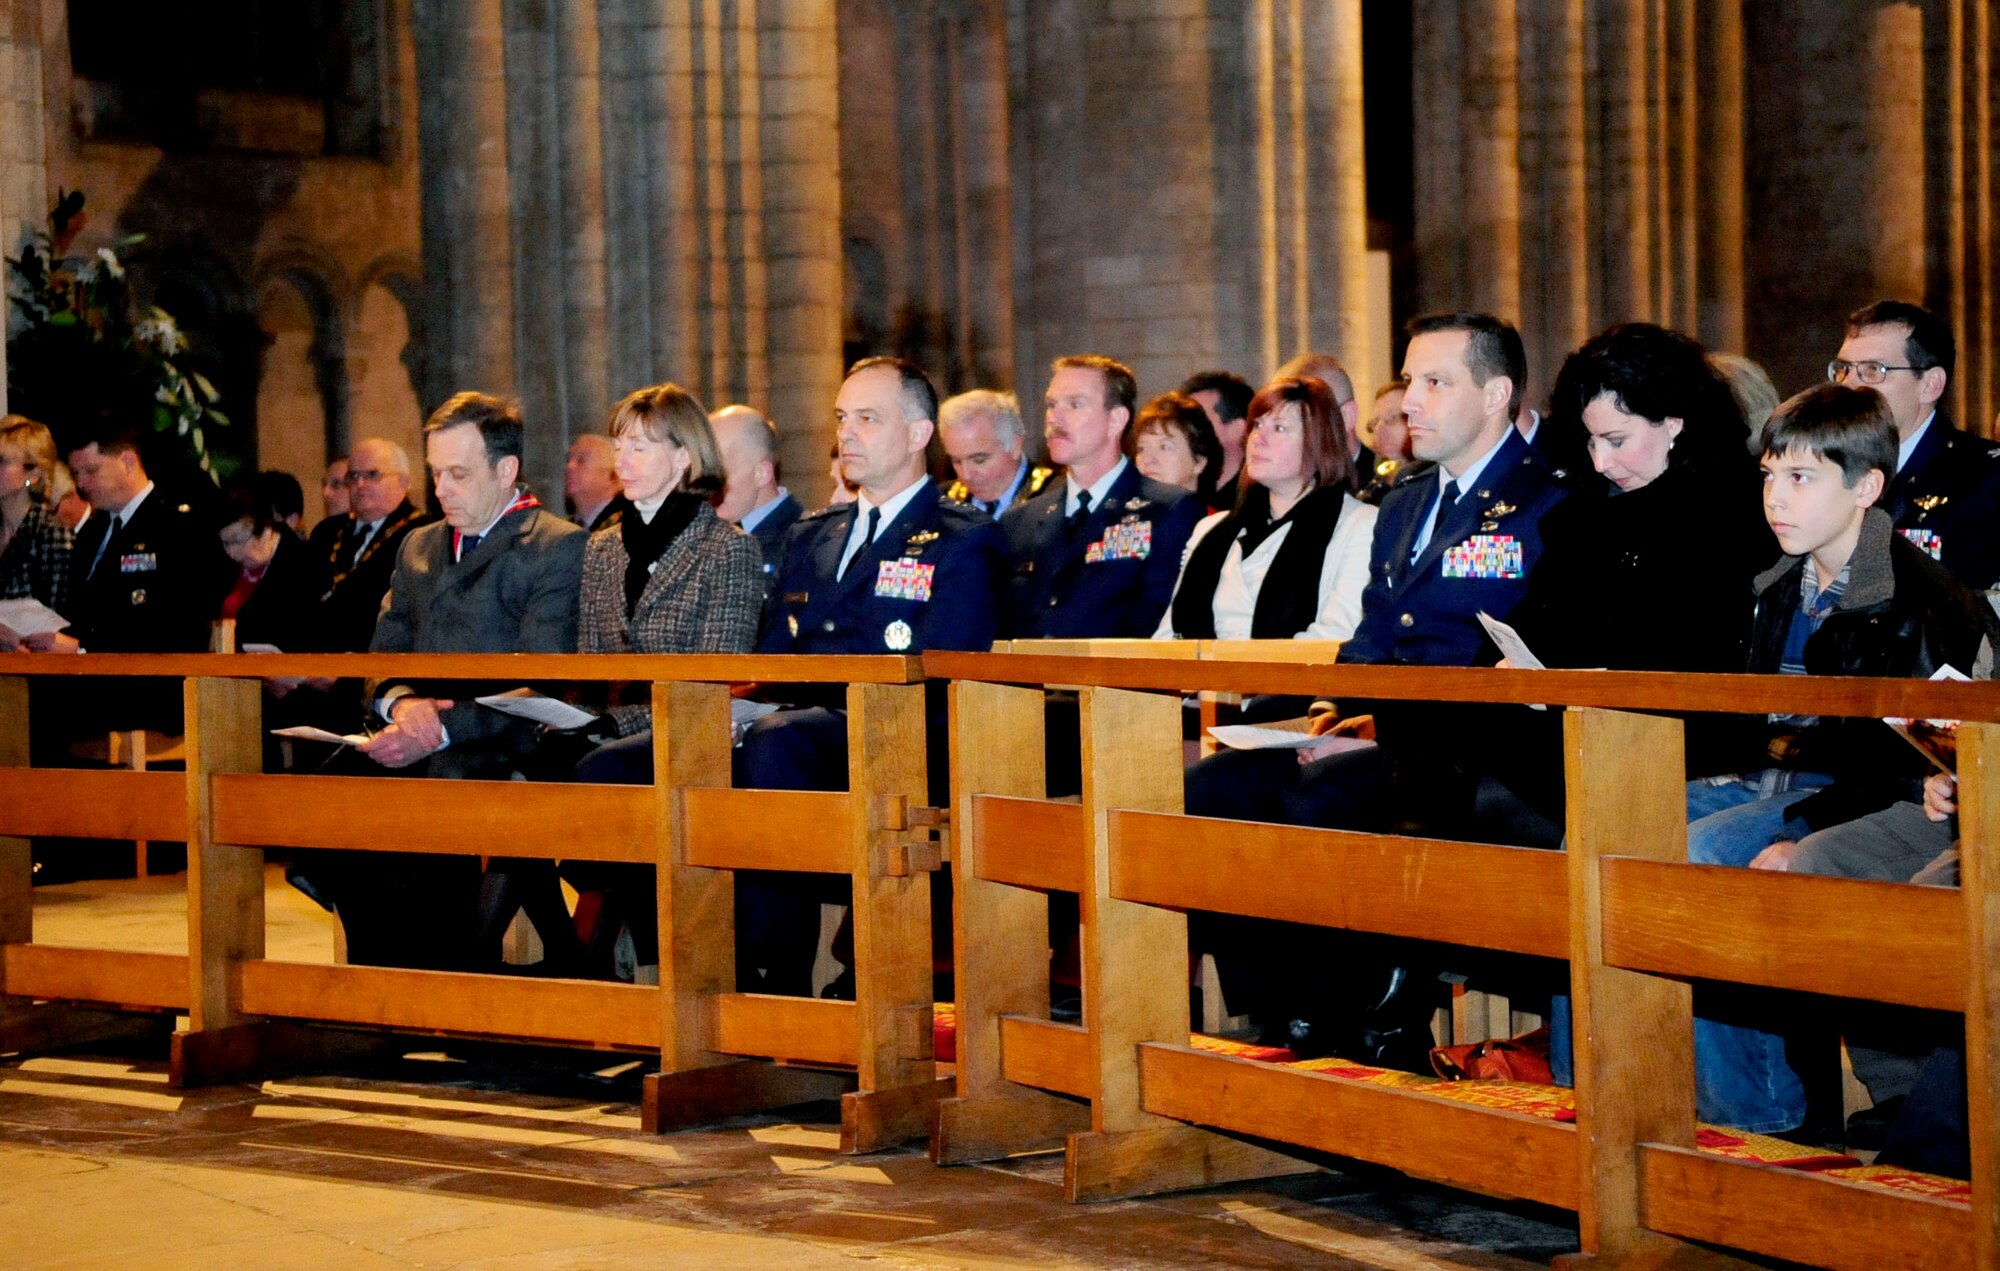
{"x":83,"y":352}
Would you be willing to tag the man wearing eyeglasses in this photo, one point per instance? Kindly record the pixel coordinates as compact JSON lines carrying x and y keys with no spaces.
{"x":360,"y":559}
{"x":1945,"y":496}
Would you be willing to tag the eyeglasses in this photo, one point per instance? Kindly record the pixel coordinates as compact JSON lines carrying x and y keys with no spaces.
{"x":1869,"y":373}
{"x":369,"y":476}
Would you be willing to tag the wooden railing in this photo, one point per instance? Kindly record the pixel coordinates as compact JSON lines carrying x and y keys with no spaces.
{"x":721,"y":1052}
{"x":1134,"y":1105}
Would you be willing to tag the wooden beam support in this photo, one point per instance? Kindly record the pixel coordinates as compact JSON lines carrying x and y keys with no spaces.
{"x":805,"y":830}
{"x":1883,"y":942}
{"x":17,"y":865}
{"x":225,"y":880}
{"x":263,"y":1049}
{"x":1028,"y":841}
{"x":1979,"y":891}
{"x":1023,"y":1120}
{"x":587,"y":1012}
{"x":716,"y":1092}
{"x":93,"y":803}
{"x":1802,"y":1217}
{"x":887,"y":767}
{"x":1509,"y":898}
{"x":112,"y":977}
{"x":1626,"y":795}
{"x":506,"y":818}
{"x":874,"y":1120}
{"x":697,"y":907}
{"x":1164,"y":1158}
{"x":801,"y":1029}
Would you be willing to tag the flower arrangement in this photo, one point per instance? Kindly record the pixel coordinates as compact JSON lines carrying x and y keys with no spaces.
{"x":82,"y":351}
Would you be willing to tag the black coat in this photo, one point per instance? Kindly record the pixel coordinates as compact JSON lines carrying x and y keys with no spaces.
{"x":282,"y":610}
{"x":351,"y":592}
{"x":1901,"y":615}
{"x":1947,"y":499}
{"x":1654,"y":579}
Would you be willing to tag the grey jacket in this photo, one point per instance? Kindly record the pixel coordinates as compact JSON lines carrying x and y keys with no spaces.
{"x":514,"y":593}
{"x":704,"y":596}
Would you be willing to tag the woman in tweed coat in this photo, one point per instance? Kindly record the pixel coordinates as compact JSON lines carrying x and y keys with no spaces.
{"x":34,"y":545}
{"x":670,"y":577}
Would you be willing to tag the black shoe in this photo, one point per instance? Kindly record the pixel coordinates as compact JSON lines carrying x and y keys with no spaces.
{"x":1868,"y":1129}
{"x":840,"y":988}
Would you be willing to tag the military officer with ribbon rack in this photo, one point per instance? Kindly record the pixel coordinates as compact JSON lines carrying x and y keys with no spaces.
{"x":899,"y":570}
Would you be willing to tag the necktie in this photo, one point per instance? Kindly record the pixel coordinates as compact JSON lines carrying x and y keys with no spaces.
{"x":1446,"y":498}
{"x":467,"y":543}
{"x":110,"y":532}
{"x":874,"y":523}
{"x":364,"y":536}
{"x":1074,"y":525}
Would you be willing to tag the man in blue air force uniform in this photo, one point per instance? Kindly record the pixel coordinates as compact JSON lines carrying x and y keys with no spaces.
{"x":899,"y":570}
{"x":1451,"y":542}
{"x":1095,"y":554}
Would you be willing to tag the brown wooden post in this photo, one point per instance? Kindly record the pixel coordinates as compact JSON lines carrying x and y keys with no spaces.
{"x":1135,"y":974}
{"x":1634,"y":1033}
{"x":697,"y":907}
{"x":225,"y":889}
{"x":1979,"y":880}
{"x":17,"y":869}
{"x":887,"y":769}
{"x":1000,"y":948}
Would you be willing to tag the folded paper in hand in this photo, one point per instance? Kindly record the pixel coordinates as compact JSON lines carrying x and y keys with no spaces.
{"x":305,"y":732}
{"x":526,"y":703}
{"x":23,"y":618}
{"x":1284,"y":734}
{"x":1512,"y":646}
{"x":1936,"y":738}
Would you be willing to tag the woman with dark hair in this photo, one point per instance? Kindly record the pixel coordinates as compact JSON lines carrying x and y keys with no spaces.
{"x":1173,"y":442}
{"x":274,"y":597}
{"x":1649,"y":568}
{"x":1291,"y":559}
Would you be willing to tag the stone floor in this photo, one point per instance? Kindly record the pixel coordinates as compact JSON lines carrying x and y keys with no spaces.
{"x":479,"y":1155}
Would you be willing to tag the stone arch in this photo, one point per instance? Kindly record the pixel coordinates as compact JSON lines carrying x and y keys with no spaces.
{"x":385,"y":359}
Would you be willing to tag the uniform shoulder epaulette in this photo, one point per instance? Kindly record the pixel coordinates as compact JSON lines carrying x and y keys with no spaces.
{"x":962,"y":515}
{"x":1038,"y":477}
{"x":1416,"y":470}
{"x":823,"y":513}
{"x":957,"y":492}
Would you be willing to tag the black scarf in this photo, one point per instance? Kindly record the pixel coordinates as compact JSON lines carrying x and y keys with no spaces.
{"x":646,"y":541}
{"x":1288,"y":601}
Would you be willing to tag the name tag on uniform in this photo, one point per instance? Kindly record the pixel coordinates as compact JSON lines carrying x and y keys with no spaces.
{"x":1926,"y":540}
{"x":139,"y":563}
{"x":1127,"y":540}
{"x":904,"y":579}
{"x":1485,"y":556}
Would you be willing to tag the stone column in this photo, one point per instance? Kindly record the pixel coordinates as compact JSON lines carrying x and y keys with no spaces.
{"x":24,"y":202}
{"x":982,"y":181}
{"x":1466,"y":81}
{"x":468,"y":246}
{"x":1719,"y":282}
{"x":800,"y":175}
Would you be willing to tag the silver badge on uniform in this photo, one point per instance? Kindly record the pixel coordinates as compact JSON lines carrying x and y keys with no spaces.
{"x":139,"y":596}
{"x":897,"y":635}
{"x":792,"y":622}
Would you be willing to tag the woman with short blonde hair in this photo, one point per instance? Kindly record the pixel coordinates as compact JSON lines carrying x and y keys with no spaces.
{"x":34,"y":544}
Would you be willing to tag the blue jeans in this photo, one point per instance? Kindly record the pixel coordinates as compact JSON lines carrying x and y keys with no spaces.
{"x":1741,"y":1078}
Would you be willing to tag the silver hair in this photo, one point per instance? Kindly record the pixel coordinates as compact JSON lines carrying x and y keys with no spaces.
{"x":399,"y":458}
{"x":1004,"y":409}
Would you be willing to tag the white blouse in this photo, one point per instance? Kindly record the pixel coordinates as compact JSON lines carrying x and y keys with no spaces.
{"x":1342,"y":576}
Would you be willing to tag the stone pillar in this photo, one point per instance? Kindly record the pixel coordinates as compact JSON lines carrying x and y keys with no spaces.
{"x":1892,"y":211}
{"x":982,"y":180}
{"x":1719,"y":283}
{"x":24,"y":201}
{"x":1469,"y":181}
{"x":800,"y":174}
{"x":468,"y":246}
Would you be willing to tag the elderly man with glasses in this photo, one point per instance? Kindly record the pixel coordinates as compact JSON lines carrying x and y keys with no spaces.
{"x":1945,"y":495}
{"x":361,"y":558}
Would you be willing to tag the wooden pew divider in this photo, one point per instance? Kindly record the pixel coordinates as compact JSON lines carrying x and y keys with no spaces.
{"x":1635,"y":920}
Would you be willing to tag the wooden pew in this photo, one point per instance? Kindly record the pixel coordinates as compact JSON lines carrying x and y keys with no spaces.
{"x":1633,"y":918}
{"x":722,"y":1053}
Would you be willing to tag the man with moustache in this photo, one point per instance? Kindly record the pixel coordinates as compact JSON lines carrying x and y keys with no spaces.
{"x":1097,"y":552}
